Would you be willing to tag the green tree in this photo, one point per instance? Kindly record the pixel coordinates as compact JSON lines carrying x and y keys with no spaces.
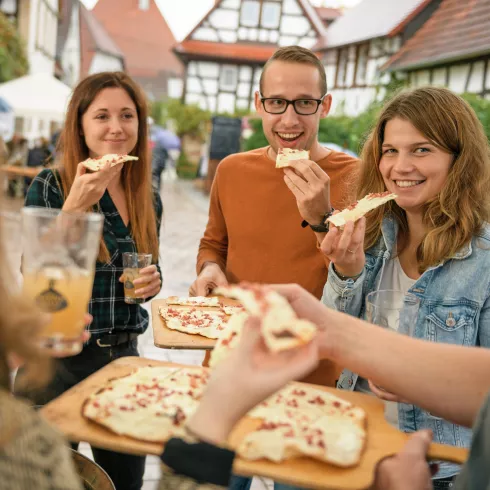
{"x":482,"y":108}
{"x":188,"y":119}
{"x":13,"y":59}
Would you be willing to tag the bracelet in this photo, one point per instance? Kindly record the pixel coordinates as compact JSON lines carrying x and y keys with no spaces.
{"x":346,"y":278}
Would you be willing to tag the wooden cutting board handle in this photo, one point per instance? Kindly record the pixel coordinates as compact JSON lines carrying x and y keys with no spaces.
{"x":447,"y":453}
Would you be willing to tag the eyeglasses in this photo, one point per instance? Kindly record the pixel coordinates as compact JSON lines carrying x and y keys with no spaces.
{"x":303,"y":107}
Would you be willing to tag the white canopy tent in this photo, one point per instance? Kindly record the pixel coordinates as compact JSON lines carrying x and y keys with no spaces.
{"x":40,"y":100}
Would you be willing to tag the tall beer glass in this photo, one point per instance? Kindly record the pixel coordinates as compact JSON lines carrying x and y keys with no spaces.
{"x":60,"y":250}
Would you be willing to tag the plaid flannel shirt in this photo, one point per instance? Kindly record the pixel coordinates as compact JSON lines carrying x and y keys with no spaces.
{"x":111,"y":314}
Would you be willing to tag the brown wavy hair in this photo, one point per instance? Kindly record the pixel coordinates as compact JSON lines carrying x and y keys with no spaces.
{"x":462,"y":207}
{"x":136,"y":179}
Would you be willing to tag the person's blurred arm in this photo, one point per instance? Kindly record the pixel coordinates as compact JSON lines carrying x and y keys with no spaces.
{"x":448,"y":381}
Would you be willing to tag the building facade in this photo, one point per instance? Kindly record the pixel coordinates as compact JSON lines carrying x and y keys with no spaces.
{"x":224,"y":54}
{"x":355,"y":51}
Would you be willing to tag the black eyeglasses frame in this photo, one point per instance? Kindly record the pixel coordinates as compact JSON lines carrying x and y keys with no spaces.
{"x":290,"y":102}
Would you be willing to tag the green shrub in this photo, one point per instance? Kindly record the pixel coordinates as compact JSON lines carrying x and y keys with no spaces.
{"x":13,"y":57}
{"x":351,"y":132}
{"x":184,"y":168}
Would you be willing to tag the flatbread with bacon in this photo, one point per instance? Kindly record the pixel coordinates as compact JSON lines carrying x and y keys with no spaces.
{"x":286,"y":155}
{"x":96,"y":164}
{"x":360,"y":208}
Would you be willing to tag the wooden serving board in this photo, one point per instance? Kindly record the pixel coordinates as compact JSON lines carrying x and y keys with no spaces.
{"x":65,"y":413}
{"x":166,"y":338}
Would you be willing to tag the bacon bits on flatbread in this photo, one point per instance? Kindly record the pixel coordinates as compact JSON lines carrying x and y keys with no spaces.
{"x":280,"y":327}
{"x":95,"y":164}
{"x":193,"y":301}
{"x":152,"y":404}
{"x":228,"y":339}
{"x":207,"y":323}
{"x":286,"y":155}
{"x":231,"y":310}
{"x":360,"y":208}
{"x":299,"y":421}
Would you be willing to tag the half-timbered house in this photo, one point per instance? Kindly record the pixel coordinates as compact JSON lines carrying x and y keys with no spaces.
{"x":224,"y":54}
{"x":37,"y":23}
{"x":451,"y":49}
{"x":361,"y":41}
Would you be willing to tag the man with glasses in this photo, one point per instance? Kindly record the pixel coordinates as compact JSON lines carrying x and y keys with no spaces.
{"x":265,"y":224}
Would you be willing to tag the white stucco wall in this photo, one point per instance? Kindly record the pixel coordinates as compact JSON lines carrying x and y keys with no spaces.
{"x":70,"y":58}
{"x":42,"y":32}
{"x":104,"y":62}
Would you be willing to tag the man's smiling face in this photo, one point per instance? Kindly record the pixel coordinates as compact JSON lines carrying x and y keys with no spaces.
{"x":291,"y":81}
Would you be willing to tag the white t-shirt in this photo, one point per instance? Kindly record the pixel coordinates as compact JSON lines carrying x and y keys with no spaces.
{"x":393,"y":278}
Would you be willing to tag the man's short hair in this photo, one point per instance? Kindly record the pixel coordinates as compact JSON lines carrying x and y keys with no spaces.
{"x":296,"y":54}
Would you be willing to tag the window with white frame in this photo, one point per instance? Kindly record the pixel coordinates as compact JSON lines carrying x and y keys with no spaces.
{"x":228,"y":77}
{"x":362,"y":60}
{"x":341,"y":67}
{"x":271,"y":14}
{"x":250,"y":13}
{"x":144,"y":4}
{"x":46,"y":28}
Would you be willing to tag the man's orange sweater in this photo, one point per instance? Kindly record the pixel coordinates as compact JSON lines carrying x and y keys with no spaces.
{"x":254,"y":230}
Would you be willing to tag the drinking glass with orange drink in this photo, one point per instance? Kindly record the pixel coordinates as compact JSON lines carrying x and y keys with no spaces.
{"x":59,"y":254}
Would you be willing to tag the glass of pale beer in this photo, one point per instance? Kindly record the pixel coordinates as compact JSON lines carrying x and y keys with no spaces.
{"x":132,"y":263}
{"x":58,"y":264}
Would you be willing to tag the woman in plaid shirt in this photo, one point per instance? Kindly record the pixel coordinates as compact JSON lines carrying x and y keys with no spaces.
{"x":107,"y":114}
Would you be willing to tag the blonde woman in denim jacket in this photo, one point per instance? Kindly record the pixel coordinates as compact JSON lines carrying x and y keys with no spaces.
{"x":433,"y":240}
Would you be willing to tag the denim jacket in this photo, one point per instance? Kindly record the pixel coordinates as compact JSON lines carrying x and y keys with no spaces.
{"x":454,"y":308}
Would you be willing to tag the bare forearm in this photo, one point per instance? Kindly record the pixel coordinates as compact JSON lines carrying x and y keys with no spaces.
{"x":448,"y":381}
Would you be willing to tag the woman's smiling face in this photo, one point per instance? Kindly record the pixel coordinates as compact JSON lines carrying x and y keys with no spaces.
{"x":411,"y":166}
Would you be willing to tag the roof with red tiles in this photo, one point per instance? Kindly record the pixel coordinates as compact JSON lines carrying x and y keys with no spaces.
{"x":456,"y":30}
{"x":94,"y":39}
{"x":238,"y":52}
{"x":142,"y":35}
{"x":328,"y":13}
{"x":225,"y":51}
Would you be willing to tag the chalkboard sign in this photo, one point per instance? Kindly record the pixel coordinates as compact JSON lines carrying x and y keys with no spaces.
{"x":225,"y":137}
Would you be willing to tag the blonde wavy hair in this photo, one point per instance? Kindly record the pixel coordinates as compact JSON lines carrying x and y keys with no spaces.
{"x":462,"y":207}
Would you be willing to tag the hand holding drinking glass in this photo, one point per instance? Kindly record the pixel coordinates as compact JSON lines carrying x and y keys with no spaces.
{"x":141,"y":278}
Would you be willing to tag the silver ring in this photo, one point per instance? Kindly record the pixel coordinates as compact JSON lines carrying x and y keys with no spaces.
{"x":351,"y":251}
